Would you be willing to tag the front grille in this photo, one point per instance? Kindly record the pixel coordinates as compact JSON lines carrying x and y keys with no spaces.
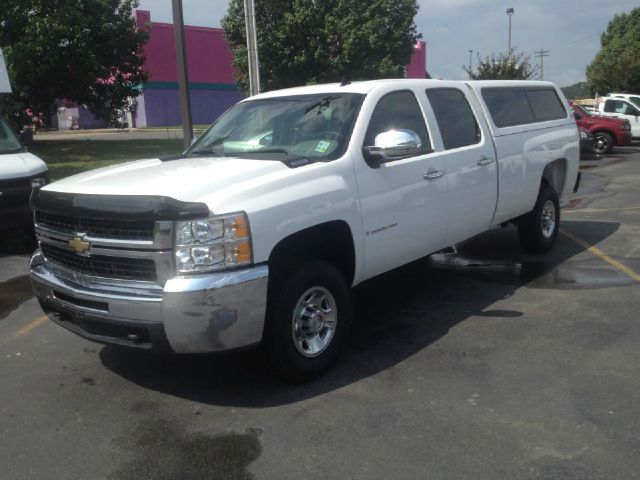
{"x":97,"y":227}
{"x":101,"y":265}
{"x":22,"y":182}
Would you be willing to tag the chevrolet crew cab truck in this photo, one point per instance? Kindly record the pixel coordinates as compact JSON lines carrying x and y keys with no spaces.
{"x":256,"y":234}
{"x":607,"y":132}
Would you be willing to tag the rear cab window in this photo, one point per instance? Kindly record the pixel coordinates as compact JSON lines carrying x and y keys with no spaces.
{"x":512,"y":106}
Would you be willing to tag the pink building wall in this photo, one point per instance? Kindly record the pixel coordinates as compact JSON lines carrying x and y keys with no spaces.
{"x":208,"y":55}
{"x":212,"y":86}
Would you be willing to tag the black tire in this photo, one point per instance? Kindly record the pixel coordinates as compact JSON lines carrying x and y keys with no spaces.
{"x":602,"y":143}
{"x":283,"y":351}
{"x":535,"y":231}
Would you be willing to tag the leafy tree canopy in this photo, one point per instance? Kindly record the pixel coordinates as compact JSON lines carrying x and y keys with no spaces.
{"x":576,"y":91}
{"x":311,"y":41}
{"x":83,"y":50}
{"x":502,"y":66}
{"x":616,"y":67}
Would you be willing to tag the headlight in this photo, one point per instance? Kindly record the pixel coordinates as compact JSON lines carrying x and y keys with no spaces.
{"x":583,"y":134}
{"x":215,"y":243}
{"x":37,"y":182}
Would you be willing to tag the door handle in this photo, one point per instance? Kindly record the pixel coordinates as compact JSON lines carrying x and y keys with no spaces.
{"x":433,"y":174}
{"x":485,"y":161}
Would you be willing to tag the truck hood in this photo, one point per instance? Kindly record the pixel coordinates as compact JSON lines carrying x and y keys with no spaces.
{"x":17,"y":165}
{"x":187,"y":179}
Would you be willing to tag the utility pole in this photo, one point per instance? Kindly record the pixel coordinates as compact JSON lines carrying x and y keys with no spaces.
{"x":541,"y":54}
{"x":252,"y":47}
{"x":183,"y":77}
{"x":470,"y":61}
{"x":509,"y":14}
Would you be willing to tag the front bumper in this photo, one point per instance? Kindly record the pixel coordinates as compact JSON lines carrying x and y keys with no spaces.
{"x":190,"y":314}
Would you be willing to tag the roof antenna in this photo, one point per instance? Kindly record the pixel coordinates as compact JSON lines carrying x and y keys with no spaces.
{"x":345,"y":81}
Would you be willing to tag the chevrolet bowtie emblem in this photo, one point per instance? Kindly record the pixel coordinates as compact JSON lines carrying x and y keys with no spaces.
{"x":78,"y":245}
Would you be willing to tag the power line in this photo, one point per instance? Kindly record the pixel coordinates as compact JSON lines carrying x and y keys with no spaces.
{"x":541,"y":54}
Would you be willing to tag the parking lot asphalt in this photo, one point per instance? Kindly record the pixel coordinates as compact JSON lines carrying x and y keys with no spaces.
{"x":478,"y":363}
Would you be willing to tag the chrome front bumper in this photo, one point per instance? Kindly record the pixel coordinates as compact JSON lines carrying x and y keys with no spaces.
{"x":195,"y":314}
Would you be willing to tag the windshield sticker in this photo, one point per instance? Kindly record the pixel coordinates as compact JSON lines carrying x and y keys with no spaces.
{"x":322,"y":146}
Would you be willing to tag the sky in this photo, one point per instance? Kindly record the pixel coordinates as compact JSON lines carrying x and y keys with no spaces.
{"x":569,"y":29}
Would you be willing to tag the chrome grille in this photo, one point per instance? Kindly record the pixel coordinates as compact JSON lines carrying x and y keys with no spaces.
{"x":125,"y":268}
{"x":96,"y":227}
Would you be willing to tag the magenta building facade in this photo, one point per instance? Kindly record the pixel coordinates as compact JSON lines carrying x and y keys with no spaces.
{"x":212,"y":86}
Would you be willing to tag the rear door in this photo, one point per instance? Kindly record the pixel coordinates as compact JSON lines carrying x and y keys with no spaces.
{"x":466,"y":147}
{"x":614,"y":107}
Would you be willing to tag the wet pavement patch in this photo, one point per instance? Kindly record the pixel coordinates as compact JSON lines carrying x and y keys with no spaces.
{"x":14,"y":292}
{"x":163,"y":450}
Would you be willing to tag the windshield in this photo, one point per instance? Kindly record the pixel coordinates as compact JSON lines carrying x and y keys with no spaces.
{"x":8,"y":141}
{"x":635,"y":101}
{"x":317,"y":127}
{"x":581,"y":110}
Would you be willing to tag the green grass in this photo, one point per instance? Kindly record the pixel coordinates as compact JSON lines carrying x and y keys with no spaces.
{"x":67,"y":157}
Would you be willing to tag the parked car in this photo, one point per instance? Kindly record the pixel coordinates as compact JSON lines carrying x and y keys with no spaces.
{"x":632,"y":97}
{"x":20,"y":173}
{"x":607,"y":132}
{"x":621,"y":108}
{"x":586,"y":141}
{"x":226,"y":246}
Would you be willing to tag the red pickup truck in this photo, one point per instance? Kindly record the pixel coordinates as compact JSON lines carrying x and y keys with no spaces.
{"x":607,"y":131}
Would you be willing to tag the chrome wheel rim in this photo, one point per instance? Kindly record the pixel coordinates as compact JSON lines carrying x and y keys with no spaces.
{"x":315,"y":317}
{"x":600,"y":144}
{"x":548,"y":219}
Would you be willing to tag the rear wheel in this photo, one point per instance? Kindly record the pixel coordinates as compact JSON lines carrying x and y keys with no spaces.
{"x":538,"y":229}
{"x":602,"y":143}
{"x":308,"y":320}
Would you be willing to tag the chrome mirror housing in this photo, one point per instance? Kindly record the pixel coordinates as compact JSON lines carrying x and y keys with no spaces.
{"x":393,"y":145}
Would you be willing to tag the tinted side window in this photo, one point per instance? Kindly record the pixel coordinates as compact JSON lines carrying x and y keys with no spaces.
{"x":398,"y":110}
{"x":545,"y":105}
{"x":455,"y":118}
{"x":507,"y":106}
{"x":613,"y":106}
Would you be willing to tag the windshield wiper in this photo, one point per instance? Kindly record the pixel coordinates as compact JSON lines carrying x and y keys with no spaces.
{"x":211,"y":147}
{"x":263,"y":150}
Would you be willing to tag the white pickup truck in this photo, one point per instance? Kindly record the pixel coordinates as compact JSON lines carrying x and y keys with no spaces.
{"x":257,"y":233}
{"x":620,"y":105}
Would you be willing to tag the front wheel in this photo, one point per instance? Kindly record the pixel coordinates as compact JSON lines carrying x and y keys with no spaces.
{"x":538,"y":229}
{"x":308,"y":320}
{"x":602,"y":143}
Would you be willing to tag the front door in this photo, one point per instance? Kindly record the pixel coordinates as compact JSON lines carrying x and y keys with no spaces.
{"x":403,"y":202}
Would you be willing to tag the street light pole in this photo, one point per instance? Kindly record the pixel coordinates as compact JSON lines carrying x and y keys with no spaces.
{"x":183,"y":77}
{"x":252,"y":47}
{"x":509,"y":14}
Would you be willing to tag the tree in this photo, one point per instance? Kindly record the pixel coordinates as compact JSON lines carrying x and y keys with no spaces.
{"x":83,"y":50}
{"x":503,"y":67}
{"x":576,"y":91}
{"x":616,"y":67}
{"x":310,"y":41}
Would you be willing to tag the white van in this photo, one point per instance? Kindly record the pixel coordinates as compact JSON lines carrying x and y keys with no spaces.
{"x":20,"y":173}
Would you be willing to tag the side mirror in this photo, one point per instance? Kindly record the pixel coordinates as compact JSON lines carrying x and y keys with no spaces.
{"x":576,"y":115}
{"x":392,"y":145}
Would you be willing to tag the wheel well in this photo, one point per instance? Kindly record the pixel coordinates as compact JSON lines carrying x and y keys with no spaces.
{"x":330,"y":241}
{"x":555,"y":174}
